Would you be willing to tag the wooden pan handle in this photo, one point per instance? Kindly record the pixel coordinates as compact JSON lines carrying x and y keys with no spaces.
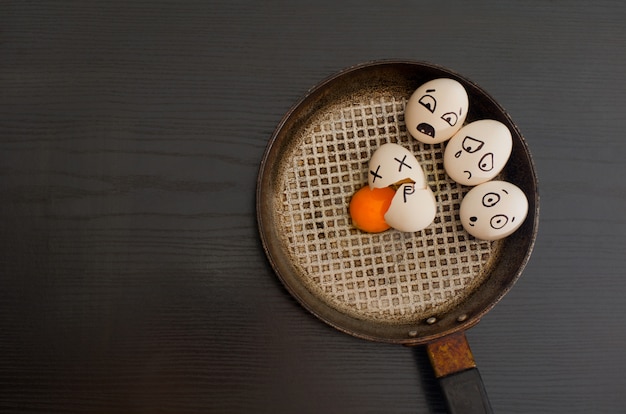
{"x":460,"y":381}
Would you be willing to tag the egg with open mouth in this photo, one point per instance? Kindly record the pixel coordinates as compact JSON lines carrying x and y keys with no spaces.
{"x":436,"y":110}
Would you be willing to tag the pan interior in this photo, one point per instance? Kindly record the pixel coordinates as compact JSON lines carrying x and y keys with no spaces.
{"x":390,"y":277}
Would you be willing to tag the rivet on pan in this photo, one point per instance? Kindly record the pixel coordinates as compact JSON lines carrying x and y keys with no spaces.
{"x":431,"y":320}
{"x":412,"y":334}
{"x":462,"y":318}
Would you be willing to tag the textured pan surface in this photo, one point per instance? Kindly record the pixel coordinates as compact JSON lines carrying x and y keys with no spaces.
{"x":391,"y":286}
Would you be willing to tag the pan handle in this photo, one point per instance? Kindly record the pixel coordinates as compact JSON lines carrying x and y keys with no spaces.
{"x":456,"y":371}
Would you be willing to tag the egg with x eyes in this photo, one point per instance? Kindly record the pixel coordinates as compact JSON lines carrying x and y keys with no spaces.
{"x":391,"y":164}
{"x":493,"y":210}
{"x":397,"y":194}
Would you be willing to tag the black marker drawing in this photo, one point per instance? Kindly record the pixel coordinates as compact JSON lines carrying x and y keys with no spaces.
{"x":375,"y":174}
{"x":491,"y":199}
{"x":428,"y":101}
{"x":450,"y":118}
{"x":486,"y":162}
{"x":408,"y":190}
{"x":470,"y":145}
{"x":426,"y":129}
{"x":498,"y":221}
{"x":402,"y":163}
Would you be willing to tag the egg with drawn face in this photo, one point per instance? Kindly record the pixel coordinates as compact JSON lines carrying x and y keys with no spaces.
{"x":493,"y":210}
{"x":478,"y":152}
{"x":436,"y":110}
{"x":413,"y":206}
{"x":392,"y":163}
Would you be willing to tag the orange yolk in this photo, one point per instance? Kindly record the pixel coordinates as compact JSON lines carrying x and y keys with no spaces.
{"x":368,"y":208}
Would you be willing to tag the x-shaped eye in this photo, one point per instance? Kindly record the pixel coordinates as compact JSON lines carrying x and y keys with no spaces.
{"x":402,"y":164}
{"x":375,"y":174}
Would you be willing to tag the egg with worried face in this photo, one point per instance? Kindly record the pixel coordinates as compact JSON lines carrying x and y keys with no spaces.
{"x":436,"y":110}
{"x":478,"y":152}
{"x":493,"y":210}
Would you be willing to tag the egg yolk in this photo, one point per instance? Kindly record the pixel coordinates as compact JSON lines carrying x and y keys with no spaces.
{"x":368,"y":207}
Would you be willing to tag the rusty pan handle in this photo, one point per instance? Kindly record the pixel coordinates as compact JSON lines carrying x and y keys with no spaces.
{"x":456,"y":371}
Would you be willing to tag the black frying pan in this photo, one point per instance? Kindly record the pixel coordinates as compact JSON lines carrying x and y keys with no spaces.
{"x":417,"y":288}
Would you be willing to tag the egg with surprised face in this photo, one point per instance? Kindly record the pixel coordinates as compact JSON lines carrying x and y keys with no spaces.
{"x":478,"y":152}
{"x":436,"y":110}
{"x":493,"y":210}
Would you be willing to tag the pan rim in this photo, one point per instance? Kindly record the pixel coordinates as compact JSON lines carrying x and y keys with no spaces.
{"x":423,"y":334}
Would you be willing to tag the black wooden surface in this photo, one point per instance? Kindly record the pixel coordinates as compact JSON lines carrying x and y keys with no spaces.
{"x":132,"y":278}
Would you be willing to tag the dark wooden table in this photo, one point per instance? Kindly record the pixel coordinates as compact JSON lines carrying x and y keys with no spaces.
{"x":132,"y":275}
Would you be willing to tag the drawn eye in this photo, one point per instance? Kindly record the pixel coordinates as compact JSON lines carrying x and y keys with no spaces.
{"x":486,"y":162}
{"x":428,"y":102}
{"x":498,"y":221}
{"x":491,"y":199}
{"x":472,"y":144}
{"x":450,"y":118}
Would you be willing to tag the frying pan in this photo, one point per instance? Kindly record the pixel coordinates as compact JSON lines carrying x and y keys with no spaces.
{"x":422,"y":288}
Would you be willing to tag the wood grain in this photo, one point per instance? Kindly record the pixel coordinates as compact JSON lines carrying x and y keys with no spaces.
{"x":132,"y":276}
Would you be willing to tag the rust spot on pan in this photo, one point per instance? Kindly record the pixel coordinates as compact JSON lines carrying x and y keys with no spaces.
{"x":450,"y":354}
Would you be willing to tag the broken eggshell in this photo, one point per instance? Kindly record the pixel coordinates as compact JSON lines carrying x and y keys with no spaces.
{"x":436,"y":110}
{"x":493,"y":210}
{"x":477,"y":152}
{"x":392,"y":163}
{"x":412,"y":209}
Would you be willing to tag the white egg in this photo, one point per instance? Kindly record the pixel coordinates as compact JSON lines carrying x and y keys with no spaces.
{"x":493,"y":210}
{"x":411,"y":208}
{"x":478,"y":152}
{"x":392,"y":163}
{"x":436,"y":110}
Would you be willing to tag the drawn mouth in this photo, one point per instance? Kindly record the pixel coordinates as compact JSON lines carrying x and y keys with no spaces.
{"x":469,"y":174}
{"x":426,"y":129}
